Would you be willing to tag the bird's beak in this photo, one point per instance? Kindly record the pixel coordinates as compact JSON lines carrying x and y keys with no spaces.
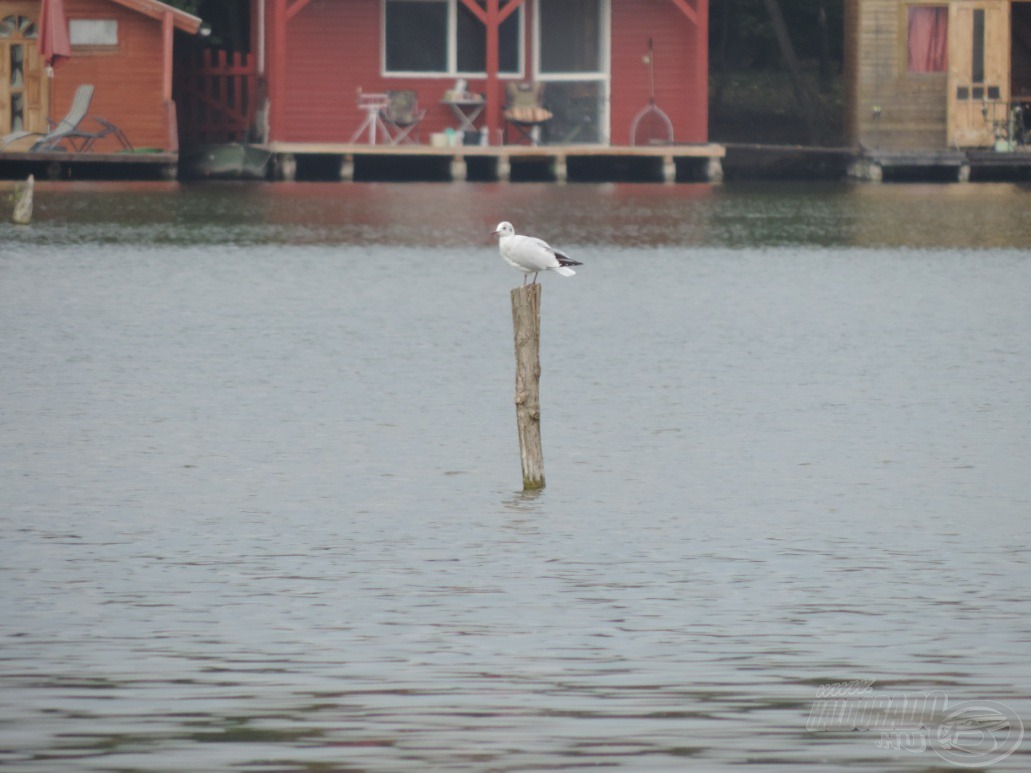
{"x":494,"y":233}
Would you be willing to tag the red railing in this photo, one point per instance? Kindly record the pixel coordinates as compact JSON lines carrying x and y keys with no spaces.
{"x":217,"y":96}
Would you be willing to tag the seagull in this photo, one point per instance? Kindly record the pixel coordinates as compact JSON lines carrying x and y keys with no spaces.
{"x":530,"y":254}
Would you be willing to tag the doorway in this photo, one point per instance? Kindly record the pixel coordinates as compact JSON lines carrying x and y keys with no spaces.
{"x":978,"y":81}
{"x":23,"y":84}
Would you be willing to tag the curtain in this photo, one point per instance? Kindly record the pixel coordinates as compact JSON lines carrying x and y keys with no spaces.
{"x":928,"y":38}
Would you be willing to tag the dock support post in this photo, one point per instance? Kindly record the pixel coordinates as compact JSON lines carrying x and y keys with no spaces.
{"x":504,"y":169}
{"x":560,"y":169}
{"x":714,"y":170}
{"x":347,"y":168}
{"x":459,"y":169}
{"x":867,"y":169}
{"x":22,"y":214}
{"x":963,"y":173}
{"x":669,"y":169}
{"x":286,"y":167}
{"x":526,"y":322}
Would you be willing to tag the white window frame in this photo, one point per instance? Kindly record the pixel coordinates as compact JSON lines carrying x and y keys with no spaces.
{"x":452,"y":47}
{"x":603,"y":75}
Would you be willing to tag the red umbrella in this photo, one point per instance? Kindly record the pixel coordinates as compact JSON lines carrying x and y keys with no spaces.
{"x":53,"y":33}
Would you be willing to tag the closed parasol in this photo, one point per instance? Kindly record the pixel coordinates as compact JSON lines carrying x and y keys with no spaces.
{"x":53,"y":34}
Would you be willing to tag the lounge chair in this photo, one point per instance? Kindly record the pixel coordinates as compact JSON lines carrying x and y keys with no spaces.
{"x":83,"y":141}
{"x":60,"y":129}
{"x":525,"y":112}
{"x":402,"y":115}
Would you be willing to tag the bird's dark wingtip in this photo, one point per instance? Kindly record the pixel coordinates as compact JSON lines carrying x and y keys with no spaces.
{"x":565,"y":260}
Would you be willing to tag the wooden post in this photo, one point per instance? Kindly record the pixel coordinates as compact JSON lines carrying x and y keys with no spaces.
{"x":526,"y":322}
{"x":23,"y":206}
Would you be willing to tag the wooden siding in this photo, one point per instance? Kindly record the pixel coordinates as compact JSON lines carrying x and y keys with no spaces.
{"x":680,"y":89}
{"x":913,"y":107}
{"x":333,"y":49}
{"x":127,"y":77}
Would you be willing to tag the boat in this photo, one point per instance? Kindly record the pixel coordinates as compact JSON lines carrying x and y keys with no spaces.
{"x":232,"y":161}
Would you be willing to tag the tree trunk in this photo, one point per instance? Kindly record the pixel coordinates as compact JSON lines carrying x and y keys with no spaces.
{"x":826,"y":64}
{"x":721,"y":63}
{"x":787,"y":51}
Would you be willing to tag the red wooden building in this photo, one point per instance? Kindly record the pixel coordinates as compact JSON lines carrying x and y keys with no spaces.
{"x":315,"y":55}
{"x":122,"y":47}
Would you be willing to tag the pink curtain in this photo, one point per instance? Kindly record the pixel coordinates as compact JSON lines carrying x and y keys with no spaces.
{"x":928,"y":38}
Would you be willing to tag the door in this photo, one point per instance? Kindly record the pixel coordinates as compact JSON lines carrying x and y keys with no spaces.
{"x":978,"y":83}
{"x":23,"y":84}
{"x":572,"y":61}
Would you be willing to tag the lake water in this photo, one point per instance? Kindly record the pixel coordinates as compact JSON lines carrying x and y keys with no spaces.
{"x":260,"y":505}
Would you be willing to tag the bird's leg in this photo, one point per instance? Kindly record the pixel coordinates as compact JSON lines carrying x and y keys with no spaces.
{"x":525,"y":277}
{"x":534,"y":277}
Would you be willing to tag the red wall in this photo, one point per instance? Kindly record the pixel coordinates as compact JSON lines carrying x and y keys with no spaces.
{"x":681,"y":70}
{"x":127,"y":77}
{"x":334,"y":48}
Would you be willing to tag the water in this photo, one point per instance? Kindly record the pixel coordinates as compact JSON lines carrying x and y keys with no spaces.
{"x":260,"y":506}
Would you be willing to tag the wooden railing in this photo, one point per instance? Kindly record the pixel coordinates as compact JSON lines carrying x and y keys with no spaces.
{"x":217,"y":94}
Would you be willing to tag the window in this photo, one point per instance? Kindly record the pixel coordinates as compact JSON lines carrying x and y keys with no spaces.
{"x":15,"y":32}
{"x":416,"y":36}
{"x":570,"y":36}
{"x":17,"y":26}
{"x":443,"y":37}
{"x":93,"y":32}
{"x":977,"y":48}
{"x":927,"y":40}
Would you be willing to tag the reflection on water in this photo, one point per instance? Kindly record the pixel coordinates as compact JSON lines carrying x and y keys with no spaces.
{"x":258,"y":503}
{"x":454,"y":215}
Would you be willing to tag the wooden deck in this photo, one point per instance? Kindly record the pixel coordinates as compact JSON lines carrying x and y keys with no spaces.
{"x":61,"y":165}
{"x":557,"y":163}
{"x":943,"y":166}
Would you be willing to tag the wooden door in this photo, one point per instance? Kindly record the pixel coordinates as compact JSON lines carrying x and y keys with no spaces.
{"x":24,"y":87}
{"x":978,"y":83}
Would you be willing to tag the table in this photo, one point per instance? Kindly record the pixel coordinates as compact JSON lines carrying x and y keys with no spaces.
{"x":466,"y":111}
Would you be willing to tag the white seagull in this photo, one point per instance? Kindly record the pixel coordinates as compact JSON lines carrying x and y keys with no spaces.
{"x":531,"y":255}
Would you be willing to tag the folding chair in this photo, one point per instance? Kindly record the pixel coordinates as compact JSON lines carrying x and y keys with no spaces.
{"x":525,"y":112}
{"x":402,"y":115}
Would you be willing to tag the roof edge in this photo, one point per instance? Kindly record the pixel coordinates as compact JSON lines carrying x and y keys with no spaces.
{"x":155,"y":9}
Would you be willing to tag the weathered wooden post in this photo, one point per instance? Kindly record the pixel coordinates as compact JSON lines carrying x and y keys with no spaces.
{"x":526,"y":323}
{"x":23,"y":206}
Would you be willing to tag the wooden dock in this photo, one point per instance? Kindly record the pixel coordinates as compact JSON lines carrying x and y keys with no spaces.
{"x":551,"y":163}
{"x":62,"y":165}
{"x":709,"y":162}
{"x":969,"y":165}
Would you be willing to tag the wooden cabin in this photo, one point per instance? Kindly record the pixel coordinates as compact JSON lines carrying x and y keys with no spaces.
{"x":591,"y":56}
{"x":936,"y":75}
{"x":122,"y":47}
